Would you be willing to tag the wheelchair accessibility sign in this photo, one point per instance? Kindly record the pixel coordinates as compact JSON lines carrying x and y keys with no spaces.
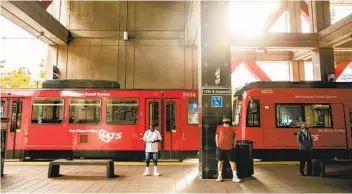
{"x":216,"y":101}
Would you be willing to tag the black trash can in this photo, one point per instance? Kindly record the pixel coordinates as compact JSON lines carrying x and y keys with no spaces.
{"x":4,"y":125}
{"x":244,"y":158}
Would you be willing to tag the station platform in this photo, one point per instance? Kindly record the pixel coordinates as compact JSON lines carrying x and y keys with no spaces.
{"x":269,"y":177}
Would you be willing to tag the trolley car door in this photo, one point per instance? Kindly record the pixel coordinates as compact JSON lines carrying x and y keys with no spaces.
{"x":348,"y":116}
{"x":171,"y":129}
{"x":14,"y":139}
{"x":162,"y":113}
{"x":153,"y":111}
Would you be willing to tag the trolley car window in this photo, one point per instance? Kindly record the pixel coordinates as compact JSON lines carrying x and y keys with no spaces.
{"x":253,"y":119}
{"x":2,"y":108}
{"x":289,"y":115}
{"x":16,"y":116}
{"x":171,"y":116}
{"x":292,"y":115}
{"x":193,"y":111}
{"x":47,"y":111}
{"x":237,"y":111}
{"x":154,"y":113}
{"x":351,"y":121}
{"x":317,"y":115}
{"x":121,"y":111}
{"x":84,"y":110}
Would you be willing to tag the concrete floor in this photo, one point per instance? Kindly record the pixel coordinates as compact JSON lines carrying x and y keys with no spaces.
{"x":32,"y":178}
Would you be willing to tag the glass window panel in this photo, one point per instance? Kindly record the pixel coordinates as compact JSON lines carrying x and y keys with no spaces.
{"x":84,"y":110}
{"x":47,"y":111}
{"x":122,"y":111}
{"x":193,"y":111}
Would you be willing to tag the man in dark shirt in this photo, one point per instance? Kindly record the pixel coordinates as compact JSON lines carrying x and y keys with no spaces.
{"x":305,"y":143}
{"x":225,"y":139}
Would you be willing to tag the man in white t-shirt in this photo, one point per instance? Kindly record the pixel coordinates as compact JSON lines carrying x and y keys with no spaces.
{"x":151,"y":138}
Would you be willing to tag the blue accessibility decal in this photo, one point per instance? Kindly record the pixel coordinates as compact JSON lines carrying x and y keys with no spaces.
{"x":216,"y":101}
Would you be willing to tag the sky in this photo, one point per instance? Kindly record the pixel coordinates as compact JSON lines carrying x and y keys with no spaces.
{"x":21,"y":49}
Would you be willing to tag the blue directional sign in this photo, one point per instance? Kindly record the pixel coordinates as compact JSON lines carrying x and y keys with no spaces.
{"x":216,"y":101}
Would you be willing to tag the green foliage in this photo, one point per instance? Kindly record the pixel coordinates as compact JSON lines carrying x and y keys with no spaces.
{"x":42,"y":73}
{"x":21,"y":78}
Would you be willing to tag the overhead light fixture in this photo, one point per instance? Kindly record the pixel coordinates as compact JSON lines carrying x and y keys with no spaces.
{"x":125,"y":35}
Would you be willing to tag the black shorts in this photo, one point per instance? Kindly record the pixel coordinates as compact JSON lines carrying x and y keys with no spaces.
{"x":221,"y":155}
{"x":151,"y":155}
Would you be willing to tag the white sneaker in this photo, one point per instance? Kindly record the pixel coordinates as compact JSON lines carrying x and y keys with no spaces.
{"x":146,"y":173}
{"x":219,"y":179}
{"x":156,"y":174}
{"x":236,"y":180}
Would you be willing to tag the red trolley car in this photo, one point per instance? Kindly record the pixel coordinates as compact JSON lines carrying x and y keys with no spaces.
{"x":53,"y":123}
{"x":57,"y":123}
{"x":271,"y":113}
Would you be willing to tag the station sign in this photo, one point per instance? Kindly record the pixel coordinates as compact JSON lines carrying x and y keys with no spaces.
{"x":216,"y":91}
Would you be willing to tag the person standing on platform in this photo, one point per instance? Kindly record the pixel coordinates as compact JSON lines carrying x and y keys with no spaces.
{"x":305,"y":143}
{"x":225,"y":139}
{"x":151,"y":138}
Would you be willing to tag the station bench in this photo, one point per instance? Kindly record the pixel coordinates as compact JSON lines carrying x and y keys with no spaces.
{"x":54,"y":166}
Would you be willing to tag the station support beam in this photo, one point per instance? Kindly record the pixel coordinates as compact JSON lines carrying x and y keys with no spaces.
{"x":280,"y":40}
{"x":274,"y":16}
{"x":214,"y":81}
{"x":32,"y":17}
{"x":323,"y":63}
{"x":297,"y":71}
{"x":294,"y":10}
{"x":319,"y":12}
{"x":337,"y":35}
{"x":322,"y":57}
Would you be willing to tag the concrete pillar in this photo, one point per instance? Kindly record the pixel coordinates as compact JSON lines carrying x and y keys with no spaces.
{"x":297,"y":71}
{"x":294,"y":9}
{"x":322,"y":58}
{"x":323,"y":63}
{"x":214,"y":82}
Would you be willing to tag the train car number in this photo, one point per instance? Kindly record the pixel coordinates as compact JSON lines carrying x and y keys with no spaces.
{"x":267,"y":91}
{"x":188,"y":95}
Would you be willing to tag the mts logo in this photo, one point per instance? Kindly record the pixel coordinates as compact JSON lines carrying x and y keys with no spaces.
{"x":107,"y":137}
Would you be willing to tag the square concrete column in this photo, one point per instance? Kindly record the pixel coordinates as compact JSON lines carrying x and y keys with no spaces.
{"x":214,"y":80}
{"x":322,"y":58}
